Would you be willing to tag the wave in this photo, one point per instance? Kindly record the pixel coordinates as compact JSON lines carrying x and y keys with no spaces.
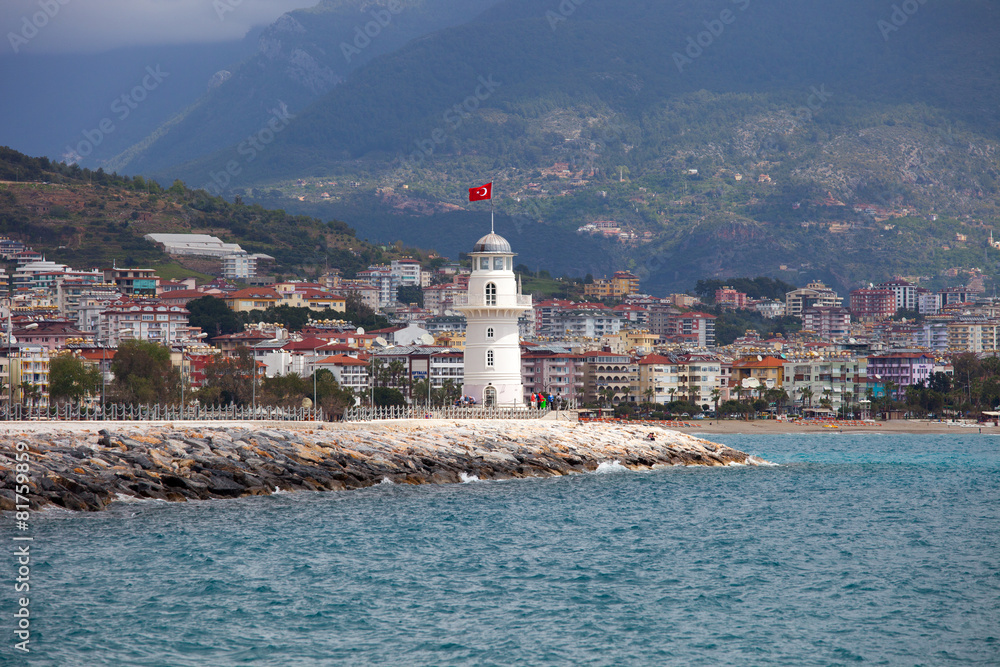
{"x":130,"y":500}
{"x":467,"y":478}
{"x":606,"y":467}
{"x":386,"y":480}
{"x":757,"y":461}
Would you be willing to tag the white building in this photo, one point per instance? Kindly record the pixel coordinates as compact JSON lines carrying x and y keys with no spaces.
{"x":380,"y":277}
{"x":141,"y":321}
{"x":492,"y":344}
{"x":197,"y":245}
{"x":404,"y":273}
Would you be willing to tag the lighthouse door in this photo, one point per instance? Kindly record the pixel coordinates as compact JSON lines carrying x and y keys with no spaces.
{"x":490,"y":397}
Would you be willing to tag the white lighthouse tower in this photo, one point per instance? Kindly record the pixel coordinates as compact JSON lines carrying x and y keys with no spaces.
{"x":492,"y":341}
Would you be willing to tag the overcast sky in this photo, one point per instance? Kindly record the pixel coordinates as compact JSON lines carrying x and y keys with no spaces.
{"x":87,"y":26}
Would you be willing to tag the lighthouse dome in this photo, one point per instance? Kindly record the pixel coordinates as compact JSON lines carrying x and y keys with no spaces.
{"x":492,"y":243}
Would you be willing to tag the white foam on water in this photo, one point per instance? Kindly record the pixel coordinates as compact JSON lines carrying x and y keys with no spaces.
{"x":757,"y":461}
{"x":127,"y":499}
{"x":466,"y":478}
{"x":278,"y":491}
{"x":386,"y":480}
{"x":606,"y":467}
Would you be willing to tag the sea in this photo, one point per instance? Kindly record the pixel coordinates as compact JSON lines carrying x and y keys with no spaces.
{"x":850,"y":549}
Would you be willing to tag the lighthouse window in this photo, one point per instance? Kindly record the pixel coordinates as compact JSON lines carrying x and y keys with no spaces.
{"x":484,"y":263}
{"x":491,"y":294}
{"x":498,"y":263}
{"x":510,"y":261}
{"x":489,"y":358}
{"x":489,"y":332}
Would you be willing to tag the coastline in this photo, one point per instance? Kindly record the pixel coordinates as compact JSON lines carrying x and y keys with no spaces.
{"x":707,"y":428}
{"x":86,"y":465}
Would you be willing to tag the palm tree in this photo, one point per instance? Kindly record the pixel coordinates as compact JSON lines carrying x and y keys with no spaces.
{"x":606,"y":393}
{"x":30,"y":393}
{"x":716,"y":395}
{"x":807,"y":396}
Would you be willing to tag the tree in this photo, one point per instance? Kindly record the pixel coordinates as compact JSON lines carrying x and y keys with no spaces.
{"x":607,"y":394}
{"x":410,"y":294}
{"x":230,"y":379}
{"x":143,"y":374}
{"x":213,"y":316}
{"x":716,"y":395}
{"x":286,"y":391}
{"x":733,"y":407}
{"x":777,"y":396}
{"x":293,"y":318}
{"x":388,"y":397}
{"x":807,"y":396}
{"x":70,"y":379}
{"x":397,"y":374}
{"x":330,"y":396}
{"x":360,"y":315}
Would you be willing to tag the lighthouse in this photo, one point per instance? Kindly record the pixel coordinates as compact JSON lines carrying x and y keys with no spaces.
{"x":492,"y":340}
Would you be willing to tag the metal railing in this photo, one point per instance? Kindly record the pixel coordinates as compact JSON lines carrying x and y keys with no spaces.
{"x":125,"y":412}
{"x":362,"y":414}
{"x":501,"y":300}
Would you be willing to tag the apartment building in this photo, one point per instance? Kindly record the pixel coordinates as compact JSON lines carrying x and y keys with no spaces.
{"x":830,"y":323}
{"x":813,"y":294}
{"x":604,"y":371}
{"x":872,"y":304}
{"x":901,"y":368}
{"x":560,"y":374}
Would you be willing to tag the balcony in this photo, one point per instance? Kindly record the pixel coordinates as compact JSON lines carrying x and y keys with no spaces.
{"x":501,"y":301}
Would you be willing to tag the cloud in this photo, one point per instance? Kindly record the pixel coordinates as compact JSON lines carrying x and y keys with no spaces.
{"x":89,"y":26}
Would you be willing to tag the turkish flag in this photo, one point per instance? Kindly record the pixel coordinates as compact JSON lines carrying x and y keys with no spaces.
{"x":481,"y":193}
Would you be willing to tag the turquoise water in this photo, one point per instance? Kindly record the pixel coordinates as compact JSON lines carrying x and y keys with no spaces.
{"x":856,"y":549}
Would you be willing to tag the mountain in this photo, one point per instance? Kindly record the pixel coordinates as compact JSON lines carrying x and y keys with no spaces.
{"x":864,"y":135}
{"x":64,"y":116}
{"x":90,"y":219}
{"x":304,"y":55}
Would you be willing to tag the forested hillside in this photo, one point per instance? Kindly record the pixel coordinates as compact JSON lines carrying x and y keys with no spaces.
{"x":798,"y":139}
{"x":92,"y":219}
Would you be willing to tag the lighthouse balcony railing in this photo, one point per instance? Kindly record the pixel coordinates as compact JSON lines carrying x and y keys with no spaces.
{"x":501,"y":300}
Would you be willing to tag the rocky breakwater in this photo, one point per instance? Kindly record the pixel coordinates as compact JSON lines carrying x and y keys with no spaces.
{"x":78,"y":467}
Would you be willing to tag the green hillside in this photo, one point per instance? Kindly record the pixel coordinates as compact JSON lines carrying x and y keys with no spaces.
{"x":92,"y":219}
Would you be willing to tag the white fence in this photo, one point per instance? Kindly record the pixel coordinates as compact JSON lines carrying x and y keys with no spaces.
{"x":122,"y":412}
{"x":361,"y":414}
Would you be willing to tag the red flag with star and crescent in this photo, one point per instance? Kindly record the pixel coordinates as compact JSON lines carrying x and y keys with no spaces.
{"x":481,"y":193}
